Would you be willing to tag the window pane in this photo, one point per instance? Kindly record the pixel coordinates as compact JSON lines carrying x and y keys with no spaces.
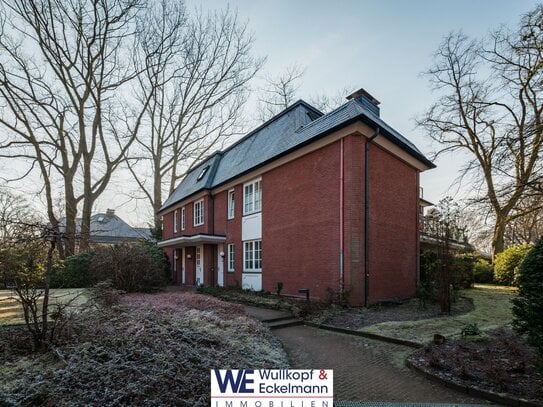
{"x":248,"y":198}
{"x":258,"y":196}
{"x":231,"y":203}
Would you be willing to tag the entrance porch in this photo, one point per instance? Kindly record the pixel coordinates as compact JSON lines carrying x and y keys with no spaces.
{"x":196,"y":260}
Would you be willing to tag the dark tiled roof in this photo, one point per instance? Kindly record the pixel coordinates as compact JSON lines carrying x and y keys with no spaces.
{"x":106,"y":228}
{"x":289,"y":130}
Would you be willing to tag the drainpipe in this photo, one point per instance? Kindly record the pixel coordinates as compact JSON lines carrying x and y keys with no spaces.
{"x":212,"y":232}
{"x":341,"y":210}
{"x":366,"y":219}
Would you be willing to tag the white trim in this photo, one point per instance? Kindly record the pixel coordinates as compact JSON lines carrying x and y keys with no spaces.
{"x":253,"y":259}
{"x":183,"y":218}
{"x":191,"y":240}
{"x":200,"y":218}
{"x":253,"y":204}
{"x":231,"y":204}
{"x":175,"y":221}
{"x":199,"y":256}
{"x":231,"y":257}
{"x":220,"y":265}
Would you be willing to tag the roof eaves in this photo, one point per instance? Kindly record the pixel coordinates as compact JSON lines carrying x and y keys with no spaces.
{"x":391,"y":137}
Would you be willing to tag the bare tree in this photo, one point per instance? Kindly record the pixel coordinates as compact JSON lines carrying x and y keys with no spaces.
{"x":64,"y":74}
{"x":490,"y":108}
{"x":527,"y":227}
{"x":279,"y":92}
{"x":26,"y":258}
{"x":13,"y":209}
{"x":197,"y":83}
{"x":326,"y":103}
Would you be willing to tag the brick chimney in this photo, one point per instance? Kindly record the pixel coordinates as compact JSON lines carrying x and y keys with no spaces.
{"x":366,"y":100}
{"x":110,"y":212}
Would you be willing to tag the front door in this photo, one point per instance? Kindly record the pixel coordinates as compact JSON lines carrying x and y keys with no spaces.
{"x":199,"y":265}
{"x":175,"y":276}
{"x":220,"y":268}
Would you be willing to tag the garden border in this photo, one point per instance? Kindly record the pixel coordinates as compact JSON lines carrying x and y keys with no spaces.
{"x":499,"y":398}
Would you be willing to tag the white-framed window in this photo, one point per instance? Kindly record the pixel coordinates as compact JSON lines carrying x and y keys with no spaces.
{"x":231,"y":262}
{"x":252,"y":197}
{"x":231,"y":204}
{"x":199,"y":212}
{"x":175,"y":221}
{"x":252,"y":255}
{"x":183,"y":218}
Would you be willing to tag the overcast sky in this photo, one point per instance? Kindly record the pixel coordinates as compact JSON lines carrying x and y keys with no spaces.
{"x":380,"y":45}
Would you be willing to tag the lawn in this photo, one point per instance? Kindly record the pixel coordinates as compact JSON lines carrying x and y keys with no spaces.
{"x":492,"y":310}
{"x":12,"y":313}
{"x":150,"y":349}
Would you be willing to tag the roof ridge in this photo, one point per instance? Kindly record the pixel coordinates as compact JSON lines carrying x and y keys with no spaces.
{"x":299,"y":102}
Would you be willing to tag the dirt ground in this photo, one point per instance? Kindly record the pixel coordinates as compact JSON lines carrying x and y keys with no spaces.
{"x":500,"y":361}
{"x":411,"y":310}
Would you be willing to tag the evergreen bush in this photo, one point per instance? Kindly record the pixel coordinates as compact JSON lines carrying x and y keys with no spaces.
{"x":483,"y":272}
{"x":506,"y":264}
{"x":528,"y":306}
{"x":73,"y":272}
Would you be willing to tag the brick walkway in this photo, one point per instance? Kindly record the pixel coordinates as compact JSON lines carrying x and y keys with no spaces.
{"x":364,"y":369}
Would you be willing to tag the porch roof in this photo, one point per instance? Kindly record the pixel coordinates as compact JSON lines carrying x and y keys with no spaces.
{"x":183,"y":241}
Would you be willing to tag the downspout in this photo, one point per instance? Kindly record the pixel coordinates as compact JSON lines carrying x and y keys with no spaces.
{"x":341,"y":214}
{"x":366,"y":219}
{"x":212,"y":232}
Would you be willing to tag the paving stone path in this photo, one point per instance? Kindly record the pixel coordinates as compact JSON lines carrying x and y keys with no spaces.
{"x":364,"y":369}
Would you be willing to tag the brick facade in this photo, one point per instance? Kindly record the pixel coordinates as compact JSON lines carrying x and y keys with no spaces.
{"x":333,"y":208}
{"x":309,"y":217}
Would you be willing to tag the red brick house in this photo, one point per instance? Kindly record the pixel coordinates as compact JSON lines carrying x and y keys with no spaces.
{"x":311,"y":200}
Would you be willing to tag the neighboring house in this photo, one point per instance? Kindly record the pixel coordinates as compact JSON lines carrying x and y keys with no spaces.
{"x":431,"y":232}
{"x":328,"y":203}
{"x":108,"y":228}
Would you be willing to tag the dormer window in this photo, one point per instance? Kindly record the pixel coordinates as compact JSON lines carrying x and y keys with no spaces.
{"x":202,"y":173}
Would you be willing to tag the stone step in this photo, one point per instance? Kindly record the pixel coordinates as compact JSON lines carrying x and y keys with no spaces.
{"x":284,"y":323}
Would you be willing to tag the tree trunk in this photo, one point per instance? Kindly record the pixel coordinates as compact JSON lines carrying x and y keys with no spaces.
{"x":498,"y":240}
{"x":84,"y":242}
{"x":70,"y":231}
{"x":157,"y":204}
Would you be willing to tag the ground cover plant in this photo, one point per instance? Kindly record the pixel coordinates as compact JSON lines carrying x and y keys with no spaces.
{"x":500,"y":362}
{"x":149,"y":349}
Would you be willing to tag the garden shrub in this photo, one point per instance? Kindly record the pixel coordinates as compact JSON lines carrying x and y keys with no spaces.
{"x":427,"y":287}
{"x":73,"y":272}
{"x":528,"y":306}
{"x":462,"y":270}
{"x":131,"y":268}
{"x":483,"y":272}
{"x":506,"y":264}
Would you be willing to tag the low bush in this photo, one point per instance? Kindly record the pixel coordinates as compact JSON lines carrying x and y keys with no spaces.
{"x":506,"y":264}
{"x":150,"y":350}
{"x":528,"y":306}
{"x":427,"y":287}
{"x":463,"y":270}
{"x":483,"y":272}
{"x":73,"y":272}
{"x":130,"y":268}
